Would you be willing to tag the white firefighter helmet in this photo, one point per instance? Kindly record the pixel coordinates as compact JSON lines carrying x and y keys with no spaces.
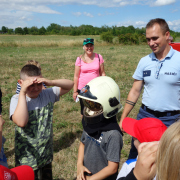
{"x":102,"y":94}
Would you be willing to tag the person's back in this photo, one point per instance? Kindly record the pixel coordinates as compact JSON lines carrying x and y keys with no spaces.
{"x":32,"y":111}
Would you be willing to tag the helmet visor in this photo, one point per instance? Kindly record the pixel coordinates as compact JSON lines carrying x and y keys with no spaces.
{"x":93,"y":106}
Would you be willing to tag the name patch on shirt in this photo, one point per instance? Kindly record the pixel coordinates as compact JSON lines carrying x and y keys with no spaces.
{"x":170,"y":73}
{"x":146,"y":73}
{"x":96,"y":141}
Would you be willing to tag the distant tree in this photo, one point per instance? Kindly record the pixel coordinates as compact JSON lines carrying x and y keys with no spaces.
{"x":130,"y":29}
{"x":33,"y":30}
{"x":53,"y":28}
{"x":42,"y":31}
{"x":4,"y":29}
{"x":25,"y":29}
{"x":107,"y":36}
{"x":10,"y":31}
{"x":19,"y":30}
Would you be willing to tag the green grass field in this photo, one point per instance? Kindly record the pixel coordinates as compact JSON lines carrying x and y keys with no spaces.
{"x":57,"y":55}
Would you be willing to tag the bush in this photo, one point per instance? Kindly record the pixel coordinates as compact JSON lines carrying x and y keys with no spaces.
{"x":131,"y":38}
{"x":107,"y":36}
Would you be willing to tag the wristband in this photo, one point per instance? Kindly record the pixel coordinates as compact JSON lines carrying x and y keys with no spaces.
{"x":75,"y":92}
{"x":130,"y":102}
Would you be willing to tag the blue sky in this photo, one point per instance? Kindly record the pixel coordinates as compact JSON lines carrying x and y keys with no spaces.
{"x":23,"y":13}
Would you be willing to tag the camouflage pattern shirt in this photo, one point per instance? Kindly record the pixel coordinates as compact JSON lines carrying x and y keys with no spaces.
{"x":34,"y":142}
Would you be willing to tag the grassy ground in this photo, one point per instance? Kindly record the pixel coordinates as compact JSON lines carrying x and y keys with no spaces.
{"x":57,"y":55}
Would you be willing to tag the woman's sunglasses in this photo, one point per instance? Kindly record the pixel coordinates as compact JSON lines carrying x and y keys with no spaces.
{"x":88,"y":40}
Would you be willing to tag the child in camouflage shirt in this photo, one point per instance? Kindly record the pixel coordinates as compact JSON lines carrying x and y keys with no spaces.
{"x":31,"y":110}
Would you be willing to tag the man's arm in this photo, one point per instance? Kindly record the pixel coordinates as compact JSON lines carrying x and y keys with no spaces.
{"x":64,"y":84}
{"x":132,"y":98}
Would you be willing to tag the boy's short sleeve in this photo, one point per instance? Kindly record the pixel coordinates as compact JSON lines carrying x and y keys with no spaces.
{"x":13,"y":104}
{"x":56,"y":91}
{"x":114,"y":146}
{"x":83,"y":137}
{"x":78,"y":62}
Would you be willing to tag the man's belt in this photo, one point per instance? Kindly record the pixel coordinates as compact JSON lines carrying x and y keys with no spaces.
{"x":158,"y":113}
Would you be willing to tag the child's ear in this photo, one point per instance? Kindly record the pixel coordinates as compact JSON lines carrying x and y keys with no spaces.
{"x":20,"y":81}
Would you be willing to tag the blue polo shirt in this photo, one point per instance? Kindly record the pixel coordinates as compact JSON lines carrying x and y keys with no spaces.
{"x":161,"y":81}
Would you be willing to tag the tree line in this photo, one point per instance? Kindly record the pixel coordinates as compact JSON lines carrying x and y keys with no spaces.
{"x":125,"y":35}
{"x":55,"y":29}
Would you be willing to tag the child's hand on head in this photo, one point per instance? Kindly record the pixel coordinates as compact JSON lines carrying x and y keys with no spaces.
{"x":47,"y":82}
{"x":26,"y":83}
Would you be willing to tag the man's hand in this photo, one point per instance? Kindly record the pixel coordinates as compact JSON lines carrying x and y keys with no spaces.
{"x":120,"y":125}
{"x":145,"y":168}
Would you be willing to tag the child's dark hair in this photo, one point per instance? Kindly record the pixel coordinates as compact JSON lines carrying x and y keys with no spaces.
{"x":30,"y":70}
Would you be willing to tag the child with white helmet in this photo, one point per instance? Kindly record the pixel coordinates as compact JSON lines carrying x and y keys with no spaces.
{"x":101,"y":141}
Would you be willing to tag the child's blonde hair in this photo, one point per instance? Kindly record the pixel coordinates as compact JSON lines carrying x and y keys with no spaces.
{"x":168,"y":156}
{"x":33,"y":62}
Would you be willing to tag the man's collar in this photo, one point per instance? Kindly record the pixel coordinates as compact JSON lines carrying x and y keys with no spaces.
{"x":168,"y":56}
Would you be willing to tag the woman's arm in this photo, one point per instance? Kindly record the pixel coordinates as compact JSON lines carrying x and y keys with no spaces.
{"x":102,"y":71}
{"x":76,"y":78}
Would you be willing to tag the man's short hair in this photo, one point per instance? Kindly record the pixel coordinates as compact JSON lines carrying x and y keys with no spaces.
{"x":30,"y":70}
{"x":162,"y":23}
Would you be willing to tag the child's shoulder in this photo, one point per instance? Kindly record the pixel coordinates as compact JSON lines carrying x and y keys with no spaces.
{"x":15,"y":96}
{"x":113,"y":133}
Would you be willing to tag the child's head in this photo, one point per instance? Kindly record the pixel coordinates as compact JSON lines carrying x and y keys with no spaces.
{"x":32,"y":73}
{"x":168,"y":156}
{"x":101,"y":98}
{"x":29,"y":70}
{"x":144,"y":130}
{"x":33,"y":62}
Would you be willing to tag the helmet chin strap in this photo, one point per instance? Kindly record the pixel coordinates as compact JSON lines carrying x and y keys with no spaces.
{"x":92,"y":117}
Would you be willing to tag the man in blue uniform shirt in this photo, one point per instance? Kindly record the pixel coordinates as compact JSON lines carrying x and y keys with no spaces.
{"x":159,"y":73}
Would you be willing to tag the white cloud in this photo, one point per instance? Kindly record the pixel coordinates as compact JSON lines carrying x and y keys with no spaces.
{"x":163,"y":2}
{"x":136,"y":24}
{"x":77,"y":14}
{"x":174,"y":25}
{"x":14,"y":19}
{"x":14,"y":13}
{"x":88,"y":14}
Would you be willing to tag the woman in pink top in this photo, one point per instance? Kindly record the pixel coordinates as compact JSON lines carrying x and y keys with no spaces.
{"x":87,"y":67}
